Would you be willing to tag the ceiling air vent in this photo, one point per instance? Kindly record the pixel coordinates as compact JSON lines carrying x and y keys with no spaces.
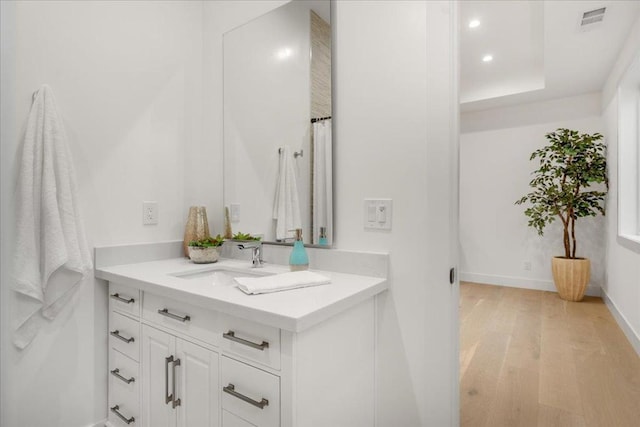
{"x":592,"y":17}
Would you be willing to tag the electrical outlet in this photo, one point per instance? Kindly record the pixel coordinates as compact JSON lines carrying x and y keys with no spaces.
{"x":234,"y":213}
{"x":149,"y":213}
{"x":527,"y":265}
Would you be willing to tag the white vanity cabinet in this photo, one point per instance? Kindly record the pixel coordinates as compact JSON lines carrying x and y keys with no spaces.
{"x":185,"y":365}
{"x":179,"y":381}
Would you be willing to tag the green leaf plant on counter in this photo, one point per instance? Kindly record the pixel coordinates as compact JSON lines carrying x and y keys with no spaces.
{"x":244,"y":236}
{"x":563,"y":185}
{"x":208,"y":242}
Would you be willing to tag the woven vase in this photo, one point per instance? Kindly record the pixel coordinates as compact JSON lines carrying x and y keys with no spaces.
{"x":197,"y":227}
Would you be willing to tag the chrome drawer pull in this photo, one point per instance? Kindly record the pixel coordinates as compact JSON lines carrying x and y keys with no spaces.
{"x":165,"y":312}
{"x":231,"y":335}
{"x":231,"y":389}
{"x":116,"y":334}
{"x":116,"y":373}
{"x":119,"y":298}
{"x":116,"y":411}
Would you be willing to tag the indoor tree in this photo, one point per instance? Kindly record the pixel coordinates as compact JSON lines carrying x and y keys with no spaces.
{"x":563,"y":184}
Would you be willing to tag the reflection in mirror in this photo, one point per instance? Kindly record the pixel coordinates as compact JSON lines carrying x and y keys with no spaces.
{"x":277,"y":124}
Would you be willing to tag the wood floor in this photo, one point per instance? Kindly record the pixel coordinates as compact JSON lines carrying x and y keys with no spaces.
{"x":528,"y":358}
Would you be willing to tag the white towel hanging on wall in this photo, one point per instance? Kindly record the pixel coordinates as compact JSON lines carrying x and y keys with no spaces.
{"x":286,"y":205}
{"x":51,"y":253}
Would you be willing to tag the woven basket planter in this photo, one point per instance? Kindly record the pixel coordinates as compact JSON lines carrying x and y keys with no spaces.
{"x":571,"y":277}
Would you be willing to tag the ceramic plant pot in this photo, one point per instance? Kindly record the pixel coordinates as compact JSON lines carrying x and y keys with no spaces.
{"x":571,"y":277}
{"x":203,"y":255}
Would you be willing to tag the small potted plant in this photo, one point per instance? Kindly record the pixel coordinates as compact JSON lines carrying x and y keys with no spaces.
{"x":206,"y":250}
{"x":245,"y":237}
{"x":563,"y":187}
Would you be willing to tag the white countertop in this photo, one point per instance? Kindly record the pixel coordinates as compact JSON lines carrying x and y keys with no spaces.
{"x":292,"y":310}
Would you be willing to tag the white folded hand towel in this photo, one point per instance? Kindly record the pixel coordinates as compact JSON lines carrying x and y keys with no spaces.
{"x":51,"y":253}
{"x":280,"y":282}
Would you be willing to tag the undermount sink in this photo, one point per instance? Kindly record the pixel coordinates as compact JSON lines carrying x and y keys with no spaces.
{"x":220,"y":272}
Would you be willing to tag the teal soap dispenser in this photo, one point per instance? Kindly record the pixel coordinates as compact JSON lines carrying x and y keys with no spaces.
{"x":323,"y":236}
{"x":298,"y":260}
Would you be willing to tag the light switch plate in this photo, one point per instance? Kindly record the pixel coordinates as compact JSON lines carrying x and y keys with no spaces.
{"x":377,"y":214}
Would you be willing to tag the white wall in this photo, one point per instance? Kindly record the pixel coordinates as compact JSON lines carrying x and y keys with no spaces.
{"x":495,"y":172}
{"x":393,"y":126}
{"x":128,"y":81}
{"x":8,"y":136}
{"x":622,"y":284}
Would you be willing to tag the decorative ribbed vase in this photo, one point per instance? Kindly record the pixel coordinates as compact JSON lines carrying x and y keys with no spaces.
{"x":197,"y":227}
{"x":571,"y":277}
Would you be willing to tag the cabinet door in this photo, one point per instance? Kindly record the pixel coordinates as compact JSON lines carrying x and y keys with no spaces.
{"x":197,"y":379}
{"x":157,"y":346}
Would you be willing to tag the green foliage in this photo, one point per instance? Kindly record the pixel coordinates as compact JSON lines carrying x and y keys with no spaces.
{"x":570,"y":165}
{"x":244,"y":236}
{"x":208,"y":242}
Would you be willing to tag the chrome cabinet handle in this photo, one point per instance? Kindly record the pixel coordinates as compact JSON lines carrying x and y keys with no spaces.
{"x":117,"y":296}
{"x":116,"y":334}
{"x":175,"y":402}
{"x":231,"y":389}
{"x":168,"y":397}
{"x":165,"y":312}
{"x":116,"y":411}
{"x":116,"y":373}
{"x":231,"y":335}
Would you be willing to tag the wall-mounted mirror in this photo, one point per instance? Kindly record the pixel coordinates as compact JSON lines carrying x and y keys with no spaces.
{"x":277,"y":124}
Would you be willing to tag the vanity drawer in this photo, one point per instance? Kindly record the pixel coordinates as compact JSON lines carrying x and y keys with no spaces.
{"x":231,"y":420}
{"x":250,"y":340}
{"x":124,"y":299}
{"x":124,"y":400}
{"x":124,"y":335}
{"x":124,"y":377}
{"x":250,"y":393}
{"x":190,"y":320}
{"x":123,"y":413}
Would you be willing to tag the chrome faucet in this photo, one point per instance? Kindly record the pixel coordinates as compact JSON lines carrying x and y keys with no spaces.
{"x":256,"y":254}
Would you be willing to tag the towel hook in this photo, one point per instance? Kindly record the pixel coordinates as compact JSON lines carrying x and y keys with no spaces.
{"x":296,"y":154}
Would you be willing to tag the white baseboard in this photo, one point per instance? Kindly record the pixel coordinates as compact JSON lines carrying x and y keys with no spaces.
{"x":520,"y":282}
{"x":632,"y":336}
{"x":103,"y":423}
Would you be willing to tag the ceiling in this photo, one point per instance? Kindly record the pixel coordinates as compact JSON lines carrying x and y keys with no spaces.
{"x":539,"y":50}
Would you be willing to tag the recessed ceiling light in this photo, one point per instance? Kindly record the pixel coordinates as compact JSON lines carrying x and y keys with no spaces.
{"x":474,"y":23}
{"x":487,"y":58}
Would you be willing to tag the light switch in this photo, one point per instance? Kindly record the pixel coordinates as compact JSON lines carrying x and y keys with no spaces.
{"x":377,"y":214}
{"x":371,"y":213}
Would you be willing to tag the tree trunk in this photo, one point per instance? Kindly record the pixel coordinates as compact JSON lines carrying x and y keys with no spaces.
{"x":567,"y":243}
{"x":573,"y":237}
